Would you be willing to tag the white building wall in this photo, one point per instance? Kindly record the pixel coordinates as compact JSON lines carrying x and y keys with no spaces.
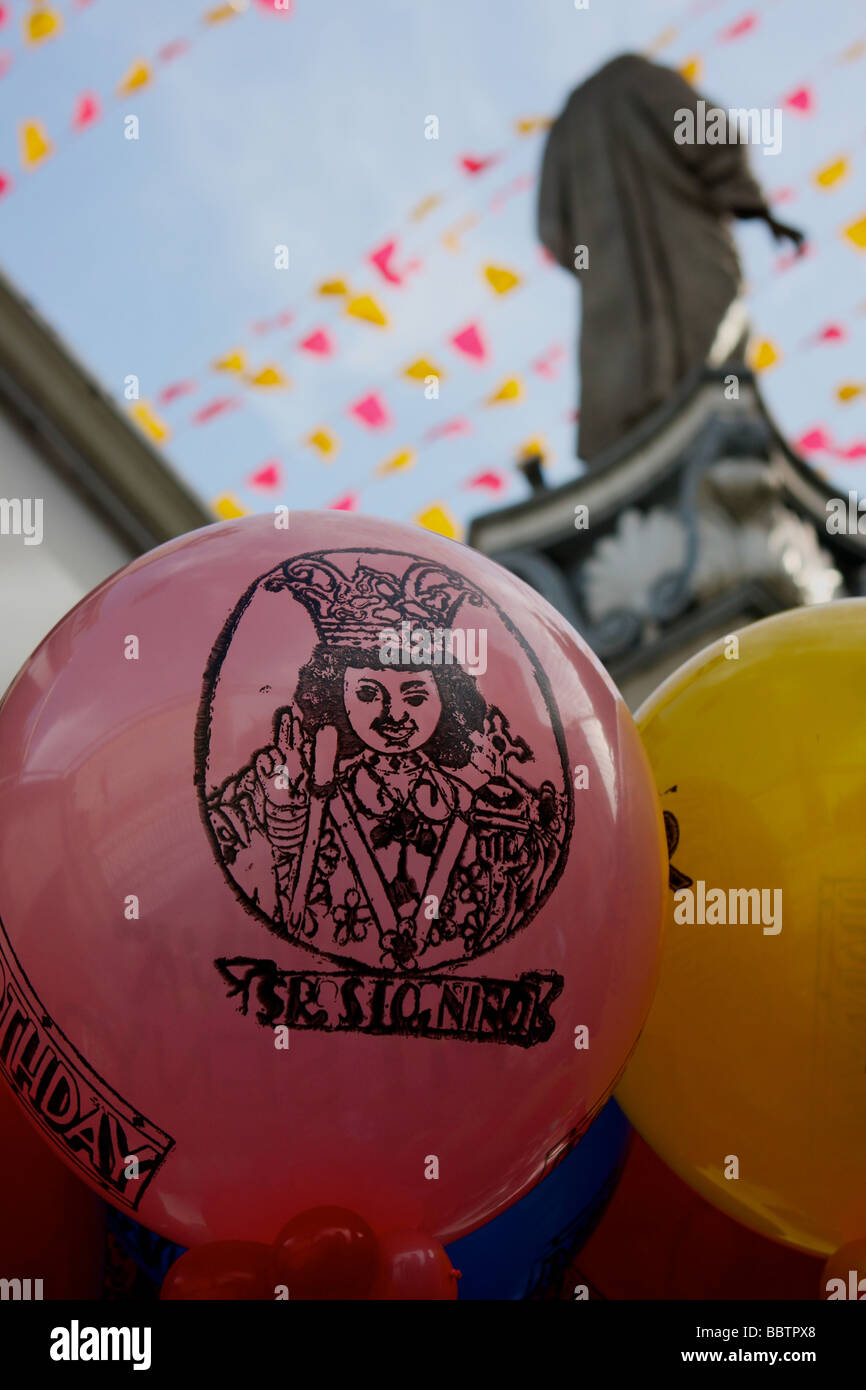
{"x":41,"y":582}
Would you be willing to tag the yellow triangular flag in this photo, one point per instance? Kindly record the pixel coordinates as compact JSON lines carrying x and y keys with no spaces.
{"x":137,"y":76}
{"x":227,"y":507}
{"x":420,"y":370}
{"x":762,"y":355}
{"x":333,"y":287}
{"x":420,"y":211}
{"x":228,"y":11}
{"x":232,"y":362}
{"x":855,"y":51}
{"x":532,"y":124}
{"x":437,"y":518}
{"x":365,"y":307}
{"x":666,"y":37}
{"x":691,"y":69}
{"x":832,"y":173}
{"x":856,"y":232}
{"x":500,"y":279}
{"x":35,"y":144}
{"x":397,"y":462}
{"x":850,"y":391}
{"x":452,"y":238}
{"x":269,"y":376}
{"x":532,"y":448}
{"x":149,"y":422}
{"x":510,"y":390}
{"x":325,"y":442}
{"x":41,"y":24}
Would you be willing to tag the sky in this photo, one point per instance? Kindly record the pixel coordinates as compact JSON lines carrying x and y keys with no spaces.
{"x":155,"y":257}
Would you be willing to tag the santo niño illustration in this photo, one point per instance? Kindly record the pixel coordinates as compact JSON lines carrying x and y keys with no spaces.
{"x":391,"y":819}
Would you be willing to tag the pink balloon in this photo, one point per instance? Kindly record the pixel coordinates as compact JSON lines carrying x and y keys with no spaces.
{"x":289,"y":921}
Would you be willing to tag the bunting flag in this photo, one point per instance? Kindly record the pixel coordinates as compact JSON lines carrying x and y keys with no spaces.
{"x":349,"y":502}
{"x":220,"y":13}
{"x":692,"y":70}
{"x":425,"y":207}
{"x":266,"y":478}
{"x":448,"y":430}
{"x":222,"y":405}
{"x":470,"y":343}
{"x":819,"y":441}
{"x":453,"y":237}
{"x":35,"y":144}
{"x":471,"y":165}
{"x":138,"y":76}
{"x":87,"y":110}
{"x":333,"y":287}
{"x":510,"y":390}
{"x":850,"y":390}
{"x":231,"y":362}
{"x":802,"y":99}
{"x":42,"y":23}
{"x":365,"y":307}
{"x":269,"y":376}
{"x":488,"y":482}
{"x":372,"y":412}
{"x":324,"y":442}
{"x":439,"y":519}
{"x":743,"y":26}
{"x":500,"y":279}
{"x":319,"y":343}
{"x":856,"y":233}
{"x":6,"y":185}
{"x":421,"y":369}
{"x":227,"y":507}
{"x":175,"y":391}
{"x":548,"y":363}
{"x":149,"y":422}
{"x":762,"y":355}
{"x":397,"y":463}
{"x":382,"y":259}
{"x":534,"y":125}
{"x":832,"y":173}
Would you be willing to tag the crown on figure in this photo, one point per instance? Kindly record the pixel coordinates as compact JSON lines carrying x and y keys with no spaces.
{"x":353,"y":611}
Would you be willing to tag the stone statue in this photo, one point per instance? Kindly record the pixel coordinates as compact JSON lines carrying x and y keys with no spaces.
{"x":641,"y":214}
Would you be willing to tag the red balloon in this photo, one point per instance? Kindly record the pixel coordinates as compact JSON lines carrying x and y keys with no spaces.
{"x":414,"y":1266}
{"x":226,"y":1270}
{"x":325,"y":849}
{"x":52,"y":1227}
{"x":327,"y":1252}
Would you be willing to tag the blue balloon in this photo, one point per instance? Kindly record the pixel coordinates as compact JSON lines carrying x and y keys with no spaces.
{"x":526,"y":1251}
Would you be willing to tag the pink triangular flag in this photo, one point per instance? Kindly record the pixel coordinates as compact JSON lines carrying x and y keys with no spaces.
{"x":470,"y":342}
{"x":741,"y":27}
{"x":814,"y":440}
{"x":800,"y":100}
{"x":221,"y":406}
{"x":371,"y":411}
{"x":449,"y":428}
{"x":5,"y":185}
{"x":269,"y":476}
{"x":174,"y":391}
{"x":87,"y":110}
{"x":174,"y":49}
{"x":855,"y":451}
{"x":492,"y":482}
{"x":381,"y":260}
{"x":318,"y":342}
{"x":470,"y":165}
{"x":833,"y":333}
{"x":347,"y":503}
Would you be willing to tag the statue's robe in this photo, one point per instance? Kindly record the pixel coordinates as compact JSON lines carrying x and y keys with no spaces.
{"x":655,"y":217}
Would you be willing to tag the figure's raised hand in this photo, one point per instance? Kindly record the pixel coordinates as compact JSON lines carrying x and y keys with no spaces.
{"x":284,"y":770}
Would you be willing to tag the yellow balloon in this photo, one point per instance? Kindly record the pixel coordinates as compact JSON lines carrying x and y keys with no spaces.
{"x":749,"y":1079}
